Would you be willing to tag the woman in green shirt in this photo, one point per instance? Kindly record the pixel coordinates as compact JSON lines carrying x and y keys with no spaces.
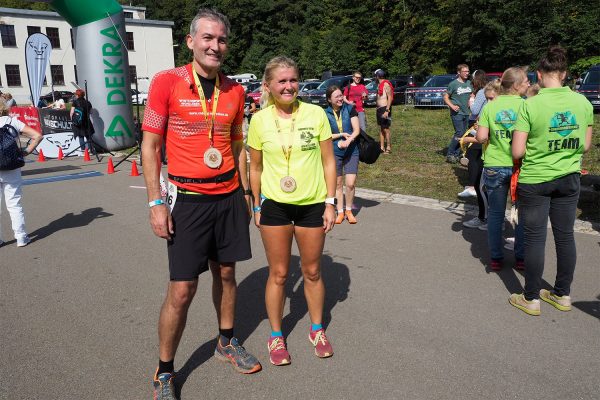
{"x":496,"y":124}
{"x":552,"y":132}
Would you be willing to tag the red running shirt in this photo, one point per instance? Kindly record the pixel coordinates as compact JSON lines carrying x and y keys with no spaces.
{"x":354,"y":93}
{"x":174,"y":110}
{"x":382,"y":85}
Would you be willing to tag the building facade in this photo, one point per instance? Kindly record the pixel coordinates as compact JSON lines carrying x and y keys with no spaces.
{"x":149,"y":45}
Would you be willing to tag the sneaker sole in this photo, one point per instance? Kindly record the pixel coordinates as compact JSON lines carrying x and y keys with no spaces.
{"x":326,"y":355}
{"x":235,"y":366}
{"x":553,"y":303}
{"x":281,"y":364}
{"x":526,"y":310}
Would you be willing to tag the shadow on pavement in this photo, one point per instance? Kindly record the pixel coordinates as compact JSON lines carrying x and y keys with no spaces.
{"x":68,"y":221}
{"x":359,"y":203}
{"x":251,"y":311}
{"x":589,"y":307}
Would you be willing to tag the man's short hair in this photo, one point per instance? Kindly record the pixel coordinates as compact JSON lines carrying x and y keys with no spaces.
{"x":379,"y":73}
{"x":213,"y":15}
{"x":461,"y":66}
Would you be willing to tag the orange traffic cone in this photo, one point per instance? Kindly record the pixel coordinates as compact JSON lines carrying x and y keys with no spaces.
{"x":111,"y":167}
{"x":60,"y":153}
{"x":134,"y":169}
{"x":86,"y":155}
{"x":41,"y":157}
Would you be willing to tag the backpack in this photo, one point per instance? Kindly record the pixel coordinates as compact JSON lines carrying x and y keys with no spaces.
{"x":11,"y":156}
{"x":77,"y":119}
{"x":368,"y":148}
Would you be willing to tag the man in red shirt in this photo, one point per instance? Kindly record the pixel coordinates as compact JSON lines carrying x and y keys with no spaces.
{"x":199,"y":112}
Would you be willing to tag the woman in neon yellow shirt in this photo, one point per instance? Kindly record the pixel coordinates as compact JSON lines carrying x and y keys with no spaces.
{"x":292,"y":170}
{"x":552,"y":132}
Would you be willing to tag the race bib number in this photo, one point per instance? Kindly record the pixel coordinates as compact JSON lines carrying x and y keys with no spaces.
{"x":171,"y":195}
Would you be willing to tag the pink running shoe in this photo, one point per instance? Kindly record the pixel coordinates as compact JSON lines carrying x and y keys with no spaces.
{"x":318,"y":339}
{"x":278,"y":354}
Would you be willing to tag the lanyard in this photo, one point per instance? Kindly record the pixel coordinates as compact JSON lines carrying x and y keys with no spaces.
{"x":205,"y":108}
{"x":338,"y":119}
{"x":287,"y":150}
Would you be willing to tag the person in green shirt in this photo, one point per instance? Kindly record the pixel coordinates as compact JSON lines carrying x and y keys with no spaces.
{"x":496,"y":124}
{"x":292,"y":169}
{"x":457,"y":99}
{"x":552,"y":132}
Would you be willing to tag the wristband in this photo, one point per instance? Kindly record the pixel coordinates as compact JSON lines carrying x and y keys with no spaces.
{"x":156,"y":202}
{"x":330,"y":200}
{"x":256,"y":209}
{"x":248,"y":192}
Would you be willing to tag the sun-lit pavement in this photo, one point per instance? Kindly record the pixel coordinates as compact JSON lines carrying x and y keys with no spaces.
{"x":411,"y":309}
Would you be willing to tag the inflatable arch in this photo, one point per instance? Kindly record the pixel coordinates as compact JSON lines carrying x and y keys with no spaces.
{"x":103,"y":63}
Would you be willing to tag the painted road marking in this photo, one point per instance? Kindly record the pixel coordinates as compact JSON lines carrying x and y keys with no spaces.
{"x":57,"y":178}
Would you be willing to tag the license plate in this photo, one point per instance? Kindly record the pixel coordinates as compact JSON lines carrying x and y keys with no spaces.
{"x":315,"y":101}
{"x":595,"y":101}
{"x":425,"y":100}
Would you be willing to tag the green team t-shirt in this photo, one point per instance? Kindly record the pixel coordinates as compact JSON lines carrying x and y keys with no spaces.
{"x":499,"y":116}
{"x":305,"y":164}
{"x":459,"y":93}
{"x":556,"y":120}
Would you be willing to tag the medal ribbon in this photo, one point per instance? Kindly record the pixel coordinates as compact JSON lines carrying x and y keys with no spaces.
{"x":287,"y":150}
{"x":338,"y":119}
{"x":205,"y":108}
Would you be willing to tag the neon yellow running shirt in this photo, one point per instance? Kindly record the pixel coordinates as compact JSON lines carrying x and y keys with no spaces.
{"x":305,"y":164}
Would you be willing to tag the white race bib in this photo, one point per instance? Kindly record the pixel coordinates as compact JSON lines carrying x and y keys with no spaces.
{"x":171,"y":195}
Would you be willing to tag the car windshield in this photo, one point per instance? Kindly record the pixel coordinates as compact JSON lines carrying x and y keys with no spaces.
{"x":331,"y":82}
{"x":592,"y":78}
{"x":439,"y":81}
{"x":372,"y":85}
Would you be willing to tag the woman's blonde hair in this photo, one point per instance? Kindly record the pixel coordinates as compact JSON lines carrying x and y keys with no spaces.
{"x":513,"y":76}
{"x":492,"y":86}
{"x":266,"y":99}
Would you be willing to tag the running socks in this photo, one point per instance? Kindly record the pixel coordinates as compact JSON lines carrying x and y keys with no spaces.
{"x":276,"y":334}
{"x":226,"y":334}
{"x":316,"y":327}
{"x":165,"y":366}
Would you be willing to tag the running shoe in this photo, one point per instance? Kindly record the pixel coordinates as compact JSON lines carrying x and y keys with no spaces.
{"x":340,"y":217}
{"x":240,"y":359}
{"x":164,"y":389}
{"x":474,"y":223}
{"x":562,"y":303}
{"x":531,"y":307}
{"x":23,"y":241}
{"x":496,"y":265}
{"x":278,"y":354}
{"x":318,"y":339}
{"x":468,"y":192}
{"x":350,"y":217}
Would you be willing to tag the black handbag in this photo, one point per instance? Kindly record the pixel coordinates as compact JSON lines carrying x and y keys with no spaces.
{"x":368,"y":148}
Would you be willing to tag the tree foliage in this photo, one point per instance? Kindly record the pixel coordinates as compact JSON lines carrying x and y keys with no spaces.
{"x":400,"y":36}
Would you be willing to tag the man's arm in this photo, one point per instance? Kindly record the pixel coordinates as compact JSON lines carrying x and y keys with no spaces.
{"x":450,"y":104}
{"x":35,"y":136}
{"x":240,"y":156}
{"x":160,"y":217}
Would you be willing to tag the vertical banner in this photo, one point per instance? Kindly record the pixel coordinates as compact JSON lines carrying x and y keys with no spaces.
{"x":37,"y":55}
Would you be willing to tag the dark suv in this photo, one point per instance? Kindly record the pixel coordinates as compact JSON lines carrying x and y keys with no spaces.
{"x":317,"y":96}
{"x":589,"y":86}
{"x":402,"y":85}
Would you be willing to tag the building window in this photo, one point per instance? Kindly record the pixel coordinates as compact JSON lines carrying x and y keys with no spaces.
{"x":33,"y":29}
{"x":52,"y":34}
{"x":129,"y":40}
{"x":58,"y":77}
{"x":8,"y":35}
{"x":76,"y":78}
{"x":13,"y":75}
{"x":132,"y":73}
{"x":128,"y":14}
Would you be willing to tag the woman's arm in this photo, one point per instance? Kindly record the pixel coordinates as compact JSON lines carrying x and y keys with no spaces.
{"x":482,"y":134}
{"x":256,"y":168}
{"x":588,"y":139}
{"x":519,"y":144}
{"x":35,"y":136}
{"x":330,"y":181}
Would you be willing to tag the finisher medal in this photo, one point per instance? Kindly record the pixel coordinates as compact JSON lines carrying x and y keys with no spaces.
{"x":288,"y":184}
{"x":213,"y":158}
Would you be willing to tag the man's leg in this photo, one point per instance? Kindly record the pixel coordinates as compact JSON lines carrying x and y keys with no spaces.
{"x":224,"y":289}
{"x":173,"y":317}
{"x":459,"y":122}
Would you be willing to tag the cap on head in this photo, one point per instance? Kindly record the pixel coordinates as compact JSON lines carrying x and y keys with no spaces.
{"x":379,"y":73}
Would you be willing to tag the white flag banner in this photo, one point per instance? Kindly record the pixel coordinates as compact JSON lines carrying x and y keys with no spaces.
{"x":37,"y":56}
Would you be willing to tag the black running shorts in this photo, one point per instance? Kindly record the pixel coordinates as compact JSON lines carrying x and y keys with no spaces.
{"x":207,"y":227}
{"x":278,"y":214}
{"x":384,"y":122}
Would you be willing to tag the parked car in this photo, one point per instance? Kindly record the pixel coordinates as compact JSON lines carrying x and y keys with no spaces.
{"x":317,"y":96}
{"x":402,"y":85}
{"x":432,"y":92}
{"x":307,"y":86}
{"x":589,"y":85}
{"x":58,"y":94}
{"x":255,"y":95}
{"x":250,"y":86}
{"x":136,"y":96}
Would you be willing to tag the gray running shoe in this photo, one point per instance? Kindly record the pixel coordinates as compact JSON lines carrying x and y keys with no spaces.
{"x":240,"y":359}
{"x":163,"y":386}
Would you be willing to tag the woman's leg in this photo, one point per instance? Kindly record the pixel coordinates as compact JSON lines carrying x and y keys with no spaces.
{"x":339,"y":193}
{"x":12,"y":184}
{"x":481,"y":194}
{"x":278,"y":246}
{"x":350,"y":189}
{"x":497,"y":182}
{"x":310,"y":244}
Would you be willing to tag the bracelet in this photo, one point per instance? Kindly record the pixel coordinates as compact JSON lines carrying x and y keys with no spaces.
{"x":156,"y":202}
{"x":256,"y":209}
{"x":247,"y":192}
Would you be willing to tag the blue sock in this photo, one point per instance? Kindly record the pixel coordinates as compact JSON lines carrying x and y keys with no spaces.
{"x":276,"y":334}
{"x":316,"y":327}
